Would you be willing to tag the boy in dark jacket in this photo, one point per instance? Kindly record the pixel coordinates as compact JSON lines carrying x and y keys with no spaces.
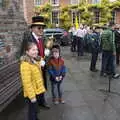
{"x":57,"y":71}
{"x":95,"y":48}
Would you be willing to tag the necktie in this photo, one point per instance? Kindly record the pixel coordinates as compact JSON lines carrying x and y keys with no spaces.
{"x":40,"y":47}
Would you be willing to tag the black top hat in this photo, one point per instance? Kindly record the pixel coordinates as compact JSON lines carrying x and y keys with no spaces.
{"x":37,"y":21}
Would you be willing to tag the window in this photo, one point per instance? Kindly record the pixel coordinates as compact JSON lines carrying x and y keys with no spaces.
{"x":4,"y":3}
{"x":95,"y":1}
{"x":1,"y":3}
{"x":113,"y":17}
{"x":55,"y":2}
{"x":38,"y":2}
{"x":74,"y":2}
{"x":55,"y":17}
{"x":74,"y":16}
{"x":97,"y":16}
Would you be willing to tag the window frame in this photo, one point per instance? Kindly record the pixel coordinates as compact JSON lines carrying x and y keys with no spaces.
{"x":74,"y":13}
{"x":53,"y":21}
{"x":97,"y":16}
{"x":113,"y":19}
{"x":72,"y":2}
{"x":38,"y":2}
{"x":95,"y":1}
{"x":55,"y":4}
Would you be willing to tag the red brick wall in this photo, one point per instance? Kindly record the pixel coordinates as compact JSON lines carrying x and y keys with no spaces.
{"x":64,"y":2}
{"x":28,"y":10}
{"x":117,"y":17}
{"x":45,"y":1}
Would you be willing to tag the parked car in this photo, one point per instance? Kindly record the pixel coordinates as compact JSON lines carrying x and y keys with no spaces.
{"x":60,"y":35}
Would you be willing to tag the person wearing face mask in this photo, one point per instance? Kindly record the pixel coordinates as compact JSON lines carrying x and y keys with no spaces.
{"x":57,"y":71}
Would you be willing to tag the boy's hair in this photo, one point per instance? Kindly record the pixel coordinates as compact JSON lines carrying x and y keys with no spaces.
{"x":55,"y":48}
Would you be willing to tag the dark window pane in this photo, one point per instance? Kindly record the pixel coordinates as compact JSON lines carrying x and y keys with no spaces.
{"x":1,"y":3}
{"x":55,"y":17}
{"x":55,"y":1}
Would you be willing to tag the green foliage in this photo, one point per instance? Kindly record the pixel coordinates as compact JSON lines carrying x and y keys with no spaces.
{"x":86,"y":17}
{"x":105,"y":18}
{"x":115,"y":5}
{"x":86,"y":12}
{"x":65,"y":18}
{"x":73,"y":6}
{"x":45,"y":11}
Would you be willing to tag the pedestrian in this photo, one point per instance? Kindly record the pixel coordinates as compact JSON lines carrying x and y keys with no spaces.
{"x":95,"y":48}
{"x":35,"y":35}
{"x":74,"y":41}
{"x":57,"y":71}
{"x":88,"y":40}
{"x":108,"y":52}
{"x":80,"y":41}
{"x":32,"y":80}
{"x":117,"y":43}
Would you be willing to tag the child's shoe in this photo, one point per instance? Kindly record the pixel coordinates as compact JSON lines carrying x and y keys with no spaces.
{"x":55,"y":101}
{"x":61,"y":101}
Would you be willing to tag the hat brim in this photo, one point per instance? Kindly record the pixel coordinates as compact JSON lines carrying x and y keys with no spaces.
{"x":38,"y":24}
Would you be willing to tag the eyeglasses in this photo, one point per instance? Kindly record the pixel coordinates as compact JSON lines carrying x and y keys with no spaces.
{"x":40,"y":27}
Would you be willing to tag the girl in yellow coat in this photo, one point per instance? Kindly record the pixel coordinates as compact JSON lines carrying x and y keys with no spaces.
{"x":32,"y":80}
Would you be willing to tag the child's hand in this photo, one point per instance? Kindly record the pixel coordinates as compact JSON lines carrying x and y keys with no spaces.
{"x":60,"y":78}
{"x":33,"y":100}
{"x":57,"y":78}
{"x":42,"y":63}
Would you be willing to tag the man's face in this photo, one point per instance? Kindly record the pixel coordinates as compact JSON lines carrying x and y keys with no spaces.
{"x":38,"y":30}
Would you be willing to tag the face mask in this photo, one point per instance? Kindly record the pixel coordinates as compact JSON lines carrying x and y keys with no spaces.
{"x":56,"y":55}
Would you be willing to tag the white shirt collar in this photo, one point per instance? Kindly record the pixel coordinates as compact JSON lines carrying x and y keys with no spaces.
{"x":35,"y":36}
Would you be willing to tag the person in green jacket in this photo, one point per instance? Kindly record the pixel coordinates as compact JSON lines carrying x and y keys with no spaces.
{"x":108,"y":52}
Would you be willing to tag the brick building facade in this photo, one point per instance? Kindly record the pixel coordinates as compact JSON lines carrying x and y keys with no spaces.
{"x":29,"y":9}
{"x":12,"y":26}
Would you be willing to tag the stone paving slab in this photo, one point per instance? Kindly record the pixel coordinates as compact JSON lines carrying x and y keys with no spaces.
{"x":84,"y":100}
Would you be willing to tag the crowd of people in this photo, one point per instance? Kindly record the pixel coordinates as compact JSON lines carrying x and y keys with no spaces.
{"x":96,"y":39}
{"x":38,"y":60}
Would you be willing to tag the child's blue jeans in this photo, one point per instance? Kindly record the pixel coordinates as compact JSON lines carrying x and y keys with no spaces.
{"x":56,"y":89}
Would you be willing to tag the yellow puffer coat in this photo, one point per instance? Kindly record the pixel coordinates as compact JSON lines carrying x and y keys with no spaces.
{"x":32,"y":79}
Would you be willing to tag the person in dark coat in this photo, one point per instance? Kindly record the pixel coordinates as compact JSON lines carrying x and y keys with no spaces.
{"x":95,"y":48}
{"x":35,"y":34}
{"x":117,"y":43}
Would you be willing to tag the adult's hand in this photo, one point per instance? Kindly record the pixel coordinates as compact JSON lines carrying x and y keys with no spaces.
{"x":47,"y":52}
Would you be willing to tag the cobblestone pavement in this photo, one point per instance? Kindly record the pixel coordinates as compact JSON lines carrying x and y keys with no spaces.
{"x":84,"y":100}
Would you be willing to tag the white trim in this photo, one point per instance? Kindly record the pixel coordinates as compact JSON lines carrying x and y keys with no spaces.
{"x":115,"y":18}
{"x":74,"y":2}
{"x":58,"y":18}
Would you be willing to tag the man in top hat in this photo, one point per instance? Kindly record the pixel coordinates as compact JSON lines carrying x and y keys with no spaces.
{"x":35,"y":34}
